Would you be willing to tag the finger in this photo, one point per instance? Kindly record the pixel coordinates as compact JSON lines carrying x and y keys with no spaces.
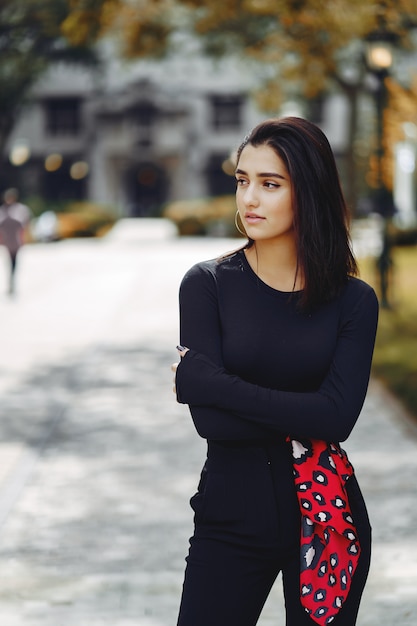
{"x":174,"y":367}
{"x":182,"y":350}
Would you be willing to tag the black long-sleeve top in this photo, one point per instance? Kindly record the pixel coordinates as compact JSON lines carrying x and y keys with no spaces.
{"x":260,"y":367}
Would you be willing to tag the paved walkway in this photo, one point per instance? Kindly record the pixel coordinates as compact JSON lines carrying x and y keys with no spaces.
{"x":97,"y":461}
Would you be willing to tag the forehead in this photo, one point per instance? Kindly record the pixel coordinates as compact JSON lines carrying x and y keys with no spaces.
{"x":261,"y":159}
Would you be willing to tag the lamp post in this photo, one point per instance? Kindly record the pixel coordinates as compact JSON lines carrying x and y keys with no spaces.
{"x":379,"y":58}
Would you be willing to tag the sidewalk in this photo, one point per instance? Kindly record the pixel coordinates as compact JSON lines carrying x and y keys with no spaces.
{"x":97,"y":461}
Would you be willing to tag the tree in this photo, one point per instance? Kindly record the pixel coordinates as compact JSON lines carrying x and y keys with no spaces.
{"x":30,"y":40}
{"x":308,"y":46}
{"x":401,"y":112}
{"x":305,"y":47}
{"x":141,"y":28}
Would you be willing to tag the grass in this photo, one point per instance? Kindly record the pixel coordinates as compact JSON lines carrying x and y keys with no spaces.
{"x":395,"y":357}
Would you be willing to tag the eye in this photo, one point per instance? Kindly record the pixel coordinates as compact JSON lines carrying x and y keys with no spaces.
{"x":240,"y":182}
{"x":270,"y":185}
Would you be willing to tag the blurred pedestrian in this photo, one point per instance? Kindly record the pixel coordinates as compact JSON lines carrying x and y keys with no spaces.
{"x":277,"y":341}
{"x":14,"y":218}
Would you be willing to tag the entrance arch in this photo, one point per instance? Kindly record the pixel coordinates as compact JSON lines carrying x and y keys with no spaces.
{"x":147,"y":189}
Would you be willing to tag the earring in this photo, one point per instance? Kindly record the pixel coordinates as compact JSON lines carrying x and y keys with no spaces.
{"x":242,"y":232}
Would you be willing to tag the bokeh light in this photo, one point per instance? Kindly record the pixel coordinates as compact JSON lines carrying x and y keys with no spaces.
{"x":53,"y":162}
{"x":79,"y":170}
{"x":19,"y":153}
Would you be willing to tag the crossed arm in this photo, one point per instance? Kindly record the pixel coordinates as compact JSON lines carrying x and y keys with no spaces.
{"x":224,"y":406}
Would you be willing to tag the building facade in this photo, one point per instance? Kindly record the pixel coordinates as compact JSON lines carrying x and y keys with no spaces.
{"x":136,"y":137}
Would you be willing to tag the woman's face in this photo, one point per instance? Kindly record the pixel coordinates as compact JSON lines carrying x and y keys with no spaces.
{"x":264,"y":194}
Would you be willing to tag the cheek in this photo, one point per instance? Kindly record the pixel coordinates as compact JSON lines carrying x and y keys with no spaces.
{"x":284,"y":211}
{"x":288,"y":209}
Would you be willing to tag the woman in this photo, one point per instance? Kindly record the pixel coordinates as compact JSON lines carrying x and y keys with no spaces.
{"x":278,"y":343}
{"x":14,"y":218}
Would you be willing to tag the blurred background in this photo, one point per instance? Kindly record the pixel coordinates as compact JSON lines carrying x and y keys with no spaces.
{"x":132,"y":105}
{"x":113,"y":109}
{"x":119,"y":121}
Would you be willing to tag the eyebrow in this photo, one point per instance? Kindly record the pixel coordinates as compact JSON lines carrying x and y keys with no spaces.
{"x":262,"y":174}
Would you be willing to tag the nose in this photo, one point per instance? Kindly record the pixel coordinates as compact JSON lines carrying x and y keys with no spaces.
{"x":250,"y":197}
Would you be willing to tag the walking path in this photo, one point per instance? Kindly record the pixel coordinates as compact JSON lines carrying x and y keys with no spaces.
{"x":97,"y":461}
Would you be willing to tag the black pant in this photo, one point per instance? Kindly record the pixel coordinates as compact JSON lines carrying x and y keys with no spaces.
{"x":12,"y":273}
{"x":247,"y":530}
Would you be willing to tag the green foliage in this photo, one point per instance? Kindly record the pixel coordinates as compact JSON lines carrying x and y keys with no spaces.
{"x":306,"y":41}
{"x":141,"y":28}
{"x":300,"y":48}
{"x":75,"y":218}
{"x":204,"y":216}
{"x":38,"y":205}
{"x":301,"y":43}
{"x":395,"y":352}
{"x":30,"y":40}
{"x":395,"y":356}
{"x":85,"y":219}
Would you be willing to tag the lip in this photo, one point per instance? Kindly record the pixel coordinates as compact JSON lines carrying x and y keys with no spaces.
{"x":253,"y":218}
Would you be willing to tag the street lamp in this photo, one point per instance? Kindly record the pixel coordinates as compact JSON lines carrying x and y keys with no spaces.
{"x":379,"y":59}
{"x":379,"y":55}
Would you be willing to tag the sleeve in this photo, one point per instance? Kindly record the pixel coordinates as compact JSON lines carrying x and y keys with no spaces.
{"x":328,"y":413}
{"x":200,"y":327}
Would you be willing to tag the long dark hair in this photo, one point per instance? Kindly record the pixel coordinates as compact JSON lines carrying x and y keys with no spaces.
{"x":324,"y":254}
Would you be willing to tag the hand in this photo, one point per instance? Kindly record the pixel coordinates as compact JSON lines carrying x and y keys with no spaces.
{"x":182,"y":351}
{"x":174,"y":369}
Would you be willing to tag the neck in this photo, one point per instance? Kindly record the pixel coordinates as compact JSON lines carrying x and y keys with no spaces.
{"x":275,"y":262}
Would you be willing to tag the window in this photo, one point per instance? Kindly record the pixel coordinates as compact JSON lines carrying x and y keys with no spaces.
{"x":60,"y":186}
{"x":145,"y":115}
{"x":226,"y":112}
{"x":63,"y":116}
{"x":218,"y":182}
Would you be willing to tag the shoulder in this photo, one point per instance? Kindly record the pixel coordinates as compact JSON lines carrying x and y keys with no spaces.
{"x":356,"y":288}
{"x":359,"y":298}
{"x":212,"y":270}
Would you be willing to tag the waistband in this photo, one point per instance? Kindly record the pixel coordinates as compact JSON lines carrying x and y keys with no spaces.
{"x":278,"y":442}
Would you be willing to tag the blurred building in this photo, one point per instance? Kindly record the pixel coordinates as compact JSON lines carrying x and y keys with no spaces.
{"x":138,"y":136}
